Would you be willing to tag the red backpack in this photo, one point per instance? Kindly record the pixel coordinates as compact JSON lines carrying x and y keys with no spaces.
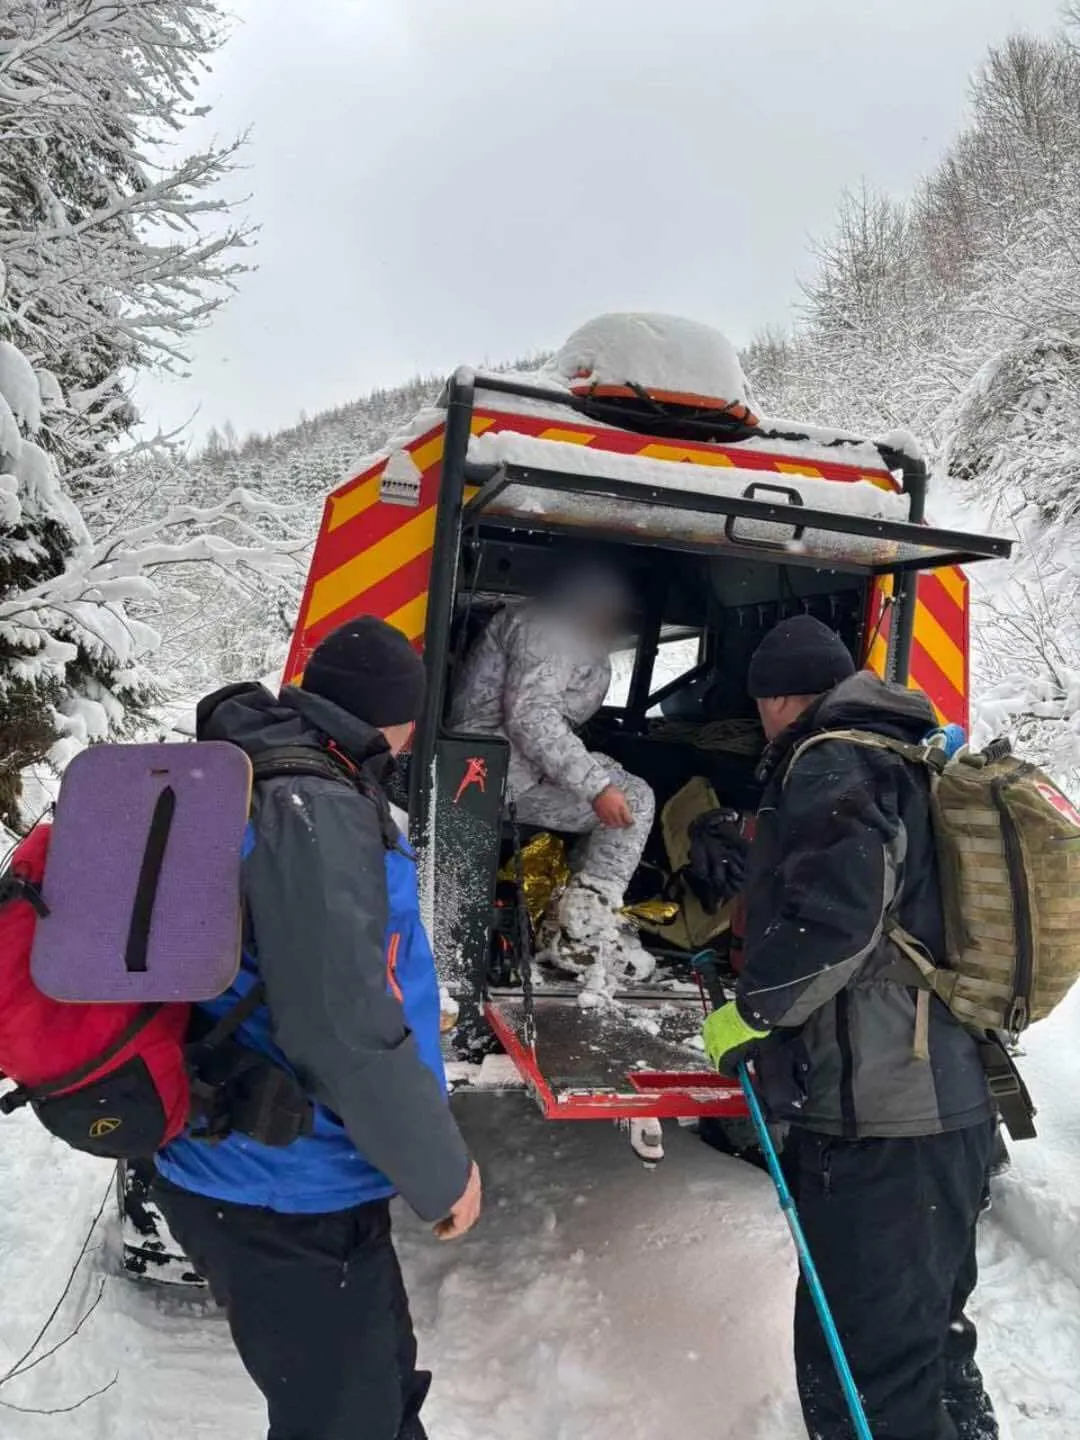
{"x":121,"y":1079}
{"x":108,"y":1079}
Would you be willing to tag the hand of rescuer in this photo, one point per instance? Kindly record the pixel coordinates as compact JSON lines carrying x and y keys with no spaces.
{"x":466,"y":1211}
{"x":729,"y":1040}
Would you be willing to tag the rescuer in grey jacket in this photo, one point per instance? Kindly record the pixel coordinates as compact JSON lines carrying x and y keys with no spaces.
{"x":538,"y":672}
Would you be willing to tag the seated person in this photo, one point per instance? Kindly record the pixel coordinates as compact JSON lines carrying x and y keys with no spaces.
{"x":539,"y":670}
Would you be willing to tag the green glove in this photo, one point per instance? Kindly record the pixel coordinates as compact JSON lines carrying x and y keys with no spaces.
{"x":729,"y":1039}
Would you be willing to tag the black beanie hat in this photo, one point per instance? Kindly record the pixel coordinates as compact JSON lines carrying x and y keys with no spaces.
{"x":370,"y":670}
{"x":800,"y":656}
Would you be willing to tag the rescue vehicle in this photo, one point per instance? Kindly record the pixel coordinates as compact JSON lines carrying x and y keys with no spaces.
{"x":726,"y":523}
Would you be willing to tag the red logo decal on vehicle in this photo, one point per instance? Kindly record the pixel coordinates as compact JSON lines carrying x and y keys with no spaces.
{"x":475,"y":774}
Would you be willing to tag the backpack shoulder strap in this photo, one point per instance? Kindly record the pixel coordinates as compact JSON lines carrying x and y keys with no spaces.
{"x":871,"y":740}
{"x":300,"y":760}
{"x":226,"y":1025}
{"x":913,"y":967}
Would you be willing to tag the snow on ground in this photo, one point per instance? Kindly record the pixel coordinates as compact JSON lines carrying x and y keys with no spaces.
{"x":593,"y":1293}
{"x":597,"y":1300}
{"x":1029,"y":1299}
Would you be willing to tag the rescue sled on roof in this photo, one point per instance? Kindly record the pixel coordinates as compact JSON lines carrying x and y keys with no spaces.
{"x":725,"y":523}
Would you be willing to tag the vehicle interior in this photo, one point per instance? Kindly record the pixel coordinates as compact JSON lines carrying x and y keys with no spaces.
{"x":678,"y":707}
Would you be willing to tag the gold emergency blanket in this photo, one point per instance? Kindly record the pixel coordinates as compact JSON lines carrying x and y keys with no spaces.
{"x":545,"y":871}
{"x":654,"y":914}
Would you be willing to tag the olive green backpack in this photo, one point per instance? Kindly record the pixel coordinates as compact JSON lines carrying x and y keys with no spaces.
{"x":1008,"y":845}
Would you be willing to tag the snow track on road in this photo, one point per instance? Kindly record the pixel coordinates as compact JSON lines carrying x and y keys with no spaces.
{"x":598,"y":1300}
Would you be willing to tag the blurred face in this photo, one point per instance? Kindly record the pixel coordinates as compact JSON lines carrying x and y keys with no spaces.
{"x":779,"y":711}
{"x":606,"y":625}
{"x":398,"y":736}
{"x":595,"y":601}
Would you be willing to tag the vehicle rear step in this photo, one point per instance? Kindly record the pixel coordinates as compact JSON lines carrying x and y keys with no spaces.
{"x":618,"y":1061}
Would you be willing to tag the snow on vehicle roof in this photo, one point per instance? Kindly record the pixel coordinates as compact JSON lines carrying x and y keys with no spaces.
{"x":789,"y":439}
{"x":664,"y":355}
{"x":786,"y":439}
{"x":857,"y":498}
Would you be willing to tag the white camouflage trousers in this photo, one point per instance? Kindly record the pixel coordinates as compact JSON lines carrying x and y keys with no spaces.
{"x":604,"y":853}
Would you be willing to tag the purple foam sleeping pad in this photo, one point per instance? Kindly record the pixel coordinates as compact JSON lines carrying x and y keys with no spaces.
{"x":143,"y":875}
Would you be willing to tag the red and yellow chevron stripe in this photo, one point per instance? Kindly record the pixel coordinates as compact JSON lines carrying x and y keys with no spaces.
{"x":939,"y":647}
{"x":374,"y":557}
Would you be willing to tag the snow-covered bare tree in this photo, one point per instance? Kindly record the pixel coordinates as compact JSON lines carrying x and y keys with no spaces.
{"x":957,"y":312}
{"x":110,"y":261}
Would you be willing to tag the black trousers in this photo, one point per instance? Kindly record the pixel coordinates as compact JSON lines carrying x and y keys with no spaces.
{"x":317,"y":1310}
{"x":891,"y":1226}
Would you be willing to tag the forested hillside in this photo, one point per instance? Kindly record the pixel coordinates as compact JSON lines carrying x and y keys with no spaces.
{"x":218,"y":626}
{"x":956,"y":312}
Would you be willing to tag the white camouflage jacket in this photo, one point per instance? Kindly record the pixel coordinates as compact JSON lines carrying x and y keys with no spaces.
{"x":533,"y":678}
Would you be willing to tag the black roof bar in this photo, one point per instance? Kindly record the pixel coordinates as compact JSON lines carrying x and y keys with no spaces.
{"x":705,"y":424}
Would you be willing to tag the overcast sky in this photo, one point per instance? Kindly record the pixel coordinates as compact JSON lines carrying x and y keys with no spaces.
{"x":447,"y":181}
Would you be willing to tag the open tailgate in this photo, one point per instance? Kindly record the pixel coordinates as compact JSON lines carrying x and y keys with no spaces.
{"x":622,"y":1061}
{"x":750,"y":517}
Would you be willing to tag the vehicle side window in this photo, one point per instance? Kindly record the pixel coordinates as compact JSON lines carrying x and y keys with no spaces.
{"x":675,"y":657}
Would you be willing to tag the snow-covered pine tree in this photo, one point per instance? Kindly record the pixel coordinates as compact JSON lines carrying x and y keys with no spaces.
{"x":42,"y":665}
{"x":112,"y":252}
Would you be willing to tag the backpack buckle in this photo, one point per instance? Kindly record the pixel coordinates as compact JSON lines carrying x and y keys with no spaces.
{"x":1018,"y":1018}
{"x":936,"y":758}
{"x":1006,"y":1085}
{"x":17,"y":887}
{"x":14,"y":1100}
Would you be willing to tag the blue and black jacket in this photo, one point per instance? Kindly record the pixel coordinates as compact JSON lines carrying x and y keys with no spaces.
{"x":330,"y":890}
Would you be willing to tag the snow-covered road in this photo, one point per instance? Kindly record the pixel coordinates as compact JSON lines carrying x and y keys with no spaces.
{"x":598,"y":1299}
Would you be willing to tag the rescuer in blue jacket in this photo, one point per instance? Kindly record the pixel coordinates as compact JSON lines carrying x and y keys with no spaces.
{"x":295,"y":1240}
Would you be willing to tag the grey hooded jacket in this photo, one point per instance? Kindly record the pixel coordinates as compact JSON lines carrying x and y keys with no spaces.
{"x":842,"y":843}
{"x":534,"y":678}
{"x":316,"y":890}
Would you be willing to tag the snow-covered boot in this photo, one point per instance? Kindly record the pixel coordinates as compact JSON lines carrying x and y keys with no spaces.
{"x":647,"y":1140}
{"x":586,"y":930}
{"x":580,"y":929}
{"x":588,"y":911}
{"x":149,"y":1250}
{"x":635,"y":962}
{"x":556,"y":948}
